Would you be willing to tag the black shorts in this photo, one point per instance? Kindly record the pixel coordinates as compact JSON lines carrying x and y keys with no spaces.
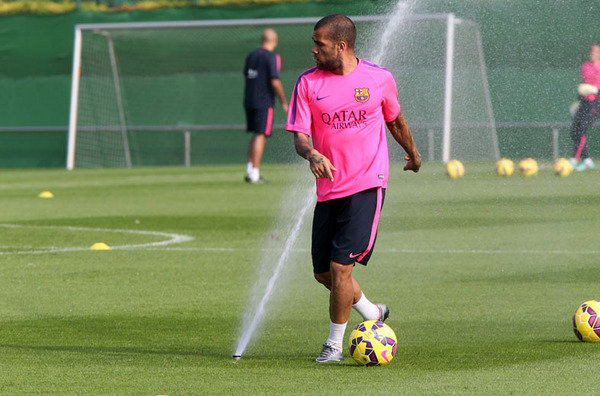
{"x":259,"y":120}
{"x":345,"y":229}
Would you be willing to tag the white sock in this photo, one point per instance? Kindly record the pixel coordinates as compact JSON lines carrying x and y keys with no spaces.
{"x":336,"y":334}
{"x":254,"y":174}
{"x":366,"y":308}
{"x":249,"y":168}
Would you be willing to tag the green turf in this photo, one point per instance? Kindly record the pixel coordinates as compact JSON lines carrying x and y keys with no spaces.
{"x":482,"y":276}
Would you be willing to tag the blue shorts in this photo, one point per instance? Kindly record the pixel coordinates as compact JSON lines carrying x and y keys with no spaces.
{"x":259,"y":120}
{"x":345,"y":229}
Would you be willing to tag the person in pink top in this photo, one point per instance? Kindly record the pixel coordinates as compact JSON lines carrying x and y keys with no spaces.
{"x":338,"y":114}
{"x":588,"y":111}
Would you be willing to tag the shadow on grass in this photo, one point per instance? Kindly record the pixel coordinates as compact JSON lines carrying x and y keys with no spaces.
{"x":108,"y":350}
{"x":114,"y":350}
{"x":566,"y":342}
{"x":490,"y":355}
{"x":208,"y":340}
{"x":187,"y":334}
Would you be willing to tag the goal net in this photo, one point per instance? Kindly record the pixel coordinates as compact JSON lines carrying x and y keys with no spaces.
{"x":171,"y":92}
{"x":438,"y":64}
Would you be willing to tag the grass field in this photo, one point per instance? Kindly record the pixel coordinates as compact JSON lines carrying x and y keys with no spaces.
{"x":482,"y":276}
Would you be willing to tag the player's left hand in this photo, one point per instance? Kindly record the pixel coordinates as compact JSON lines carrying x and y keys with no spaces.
{"x":285,"y":107}
{"x":413,"y":164}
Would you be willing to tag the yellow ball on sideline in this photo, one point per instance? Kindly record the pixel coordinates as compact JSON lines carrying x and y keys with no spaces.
{"x":455,"y":169}
{"x":505,"y":167}
{"x":562,"y":167}
{"x":528,"y":167}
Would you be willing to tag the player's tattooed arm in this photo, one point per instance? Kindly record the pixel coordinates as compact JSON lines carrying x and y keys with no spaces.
{"x":401,"y":132}
{"x":320,"y":166}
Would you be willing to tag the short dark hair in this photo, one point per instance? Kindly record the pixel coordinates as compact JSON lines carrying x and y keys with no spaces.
{"x":341,"y":28}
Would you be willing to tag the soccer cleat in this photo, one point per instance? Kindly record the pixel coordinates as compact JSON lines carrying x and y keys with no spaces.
{"x":259,"y":181}
{"x":384,"y":311}
{"x":585,"y":165}
{"x":573,"y":162}
{"x":330,"y":354}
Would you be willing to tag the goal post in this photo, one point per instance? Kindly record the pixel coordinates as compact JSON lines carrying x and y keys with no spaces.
{"x":136,"y":87}
{"x":448,"y":77}
{"x":439,"y":66}
{"x":472,"y":131}
{"x":74,"y":105}
{"x":480,"y":72}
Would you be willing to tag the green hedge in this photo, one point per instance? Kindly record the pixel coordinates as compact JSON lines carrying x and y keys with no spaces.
{"x":66,"y":6}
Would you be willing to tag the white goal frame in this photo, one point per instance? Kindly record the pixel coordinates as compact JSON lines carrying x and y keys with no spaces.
{"x":105,"y":29}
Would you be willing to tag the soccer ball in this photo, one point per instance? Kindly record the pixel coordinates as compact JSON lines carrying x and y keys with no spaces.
{"x":528,"y":167}
{"x":455,"y":169}
{"x":505,"y":167}
{"x":586,"y":321}
{"x":372,"y":343}
{"x":562,"y":167}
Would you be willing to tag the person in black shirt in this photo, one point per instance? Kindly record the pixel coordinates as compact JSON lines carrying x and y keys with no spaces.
{"x":261,"y":73}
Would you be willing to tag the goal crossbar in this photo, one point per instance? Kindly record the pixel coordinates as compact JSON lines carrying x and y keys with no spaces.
{"x":236,"y":22}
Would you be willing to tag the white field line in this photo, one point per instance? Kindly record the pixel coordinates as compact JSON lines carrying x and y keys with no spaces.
{"x":178,"y":238}
{"x":170,"y":239}
{"x":409,"y":251}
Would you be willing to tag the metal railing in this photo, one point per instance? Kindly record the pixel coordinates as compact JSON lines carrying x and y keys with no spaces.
{"x":430,"y":129}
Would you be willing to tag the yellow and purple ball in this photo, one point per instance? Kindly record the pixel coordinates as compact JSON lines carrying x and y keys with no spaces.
{"x":373,"y":343}
{"x":455,"y":169}
{"x":505,"y":167}
{"x":586,"y":321}
{"x":528,"y":167}
{"x":562,"y":167}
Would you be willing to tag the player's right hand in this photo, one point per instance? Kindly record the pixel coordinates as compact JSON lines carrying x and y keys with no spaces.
{"x":321,"y":167}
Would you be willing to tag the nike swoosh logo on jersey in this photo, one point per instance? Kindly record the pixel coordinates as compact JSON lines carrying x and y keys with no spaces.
{"x":354,"y":255}
{"x":323,"y":97}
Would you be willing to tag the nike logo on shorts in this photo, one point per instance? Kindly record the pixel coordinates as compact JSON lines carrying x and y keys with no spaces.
{"x":354,"y":255}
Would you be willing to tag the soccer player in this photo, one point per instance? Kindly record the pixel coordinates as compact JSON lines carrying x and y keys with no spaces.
{"x":588,"y":110}
{"x":261,"y":72}
{"x":344,"y":105}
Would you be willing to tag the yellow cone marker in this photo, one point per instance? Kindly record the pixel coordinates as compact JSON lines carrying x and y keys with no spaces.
{"x":99,"y":246}
{"x":45,"y":194}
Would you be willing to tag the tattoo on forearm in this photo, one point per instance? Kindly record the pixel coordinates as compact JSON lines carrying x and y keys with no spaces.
{"x":316,"y":159}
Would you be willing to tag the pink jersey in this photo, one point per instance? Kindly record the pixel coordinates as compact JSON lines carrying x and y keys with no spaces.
{"x":590,"y":74}
{"x":345,"y":117}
